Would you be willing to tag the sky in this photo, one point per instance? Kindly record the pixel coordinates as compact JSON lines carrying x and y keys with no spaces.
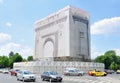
{"x":17,"y":18}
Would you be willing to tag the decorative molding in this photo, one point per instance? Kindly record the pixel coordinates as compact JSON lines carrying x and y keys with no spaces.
{"x":47,"y":35}
{"x":63,"y":19}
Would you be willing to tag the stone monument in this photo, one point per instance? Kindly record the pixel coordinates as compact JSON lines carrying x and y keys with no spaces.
{"x":63,"y":35}
{"x":62,"y":40}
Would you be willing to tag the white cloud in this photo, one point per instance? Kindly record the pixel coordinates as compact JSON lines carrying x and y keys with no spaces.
{"x":8,"y":24}
{"x":4,"y":37}
{"x":106,"y":26}
{"x":117,"y":51}
{"x":1,"y":1}
{"x":16,"y":48}
{"x":95,"y":52}
{"x":26,"y":51}
{"x":6,"y":49}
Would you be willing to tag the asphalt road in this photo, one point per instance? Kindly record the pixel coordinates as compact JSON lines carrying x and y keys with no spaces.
{"x":115,"y":76}
{"x":111,"y":78}
{"x":7,"y":78}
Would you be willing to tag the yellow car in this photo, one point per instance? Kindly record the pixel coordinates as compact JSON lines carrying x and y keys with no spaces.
{"x":97,"y":73}
{"x":118,"y":72}
{"x":1,"y":70}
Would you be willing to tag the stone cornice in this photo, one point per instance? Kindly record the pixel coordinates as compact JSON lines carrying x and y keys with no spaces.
{"x":49,"y":24}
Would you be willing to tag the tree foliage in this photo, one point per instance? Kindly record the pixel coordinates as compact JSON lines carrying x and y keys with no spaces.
{"x":24,"y":60}
{"x":4,"y":61}
{"x":8,"y":61}
{"x":110,"y":59}
{"x":11,"y":53}
{"x":15,"y":58}
{"x":114,"y":66}
{"x":30,"y":58}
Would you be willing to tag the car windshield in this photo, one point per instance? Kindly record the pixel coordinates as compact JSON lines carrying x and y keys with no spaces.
{"x":53,"y":73}
{"x":27,"y":72}
{"x":17,"y":70}
{"x":75,"y":70}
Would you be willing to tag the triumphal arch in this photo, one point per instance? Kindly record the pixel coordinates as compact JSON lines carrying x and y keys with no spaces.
{"x":63,"y":35}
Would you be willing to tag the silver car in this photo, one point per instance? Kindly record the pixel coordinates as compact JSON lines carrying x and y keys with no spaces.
{"x":73,"y":72}
{"x":25,"y":75}
{"x":5,"y":71}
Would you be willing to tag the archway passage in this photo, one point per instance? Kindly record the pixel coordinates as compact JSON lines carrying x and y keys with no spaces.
{"x":48,"y":49}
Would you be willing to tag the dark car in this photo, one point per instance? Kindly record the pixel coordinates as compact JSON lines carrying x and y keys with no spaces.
{"x":51,"y":76}
{"x":14,"y":72}
{"x":109,"y":71}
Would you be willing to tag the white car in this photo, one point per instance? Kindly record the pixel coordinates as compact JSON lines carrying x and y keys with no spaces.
{"x":73,"y":72}
{"x":5,"y":71}
{"x":25,"y":75}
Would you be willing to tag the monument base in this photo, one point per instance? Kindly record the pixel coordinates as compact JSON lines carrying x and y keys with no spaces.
{"x":68,"y":58}
{"x":65,"y":58}
{"x":38,"y":67}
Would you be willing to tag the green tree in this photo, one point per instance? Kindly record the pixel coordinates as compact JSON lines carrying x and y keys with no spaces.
{"x":11,"y":53}
{"x":24,"y":60}
{"x":118,"y":61}
{"x":15,"y":58}
{"x":30,"y":58}
{"x":113,"y":66}
{"x":107,"y":58}
{"x":4,"y":61}
{"x":100,"y":59}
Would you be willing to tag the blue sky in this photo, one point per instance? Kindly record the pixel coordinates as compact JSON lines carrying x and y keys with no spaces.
{"x":17,"y":19}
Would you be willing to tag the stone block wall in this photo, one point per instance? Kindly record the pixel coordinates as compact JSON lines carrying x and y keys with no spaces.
{"x":38,"y":67}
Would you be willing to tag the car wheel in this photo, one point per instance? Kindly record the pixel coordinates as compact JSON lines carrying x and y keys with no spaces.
{"x":60,"y":80}
{"x":79,"y":74}
{"x":17,"y":79}
{"x":94,"y":75}
{"x":68,"y":74}
{"x":34,"y":80}
{"x":15,"y":74}
{"x":42,"y":79}
{"x":105,"y":74}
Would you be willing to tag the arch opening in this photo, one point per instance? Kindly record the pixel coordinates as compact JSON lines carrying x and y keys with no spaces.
{"x":48,"y":49}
